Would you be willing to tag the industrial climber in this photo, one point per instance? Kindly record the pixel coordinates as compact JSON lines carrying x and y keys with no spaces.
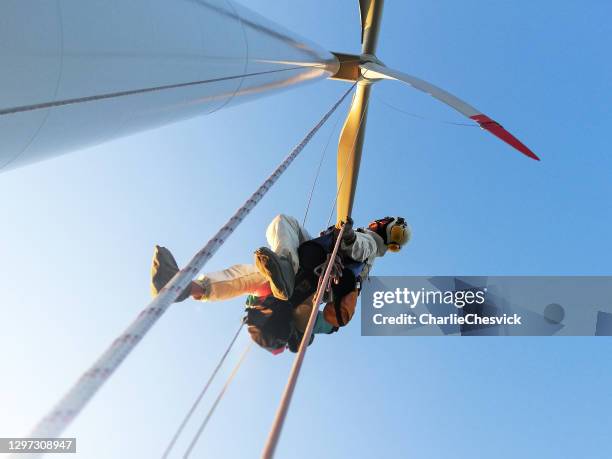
{"x":284,"y":276}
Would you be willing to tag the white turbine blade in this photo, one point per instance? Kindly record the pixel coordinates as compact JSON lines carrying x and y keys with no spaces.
{"x":373,"y":71}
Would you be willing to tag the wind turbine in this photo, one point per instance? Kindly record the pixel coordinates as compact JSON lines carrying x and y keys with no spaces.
{"x":77,"y":74}
{"x":366,"y":69}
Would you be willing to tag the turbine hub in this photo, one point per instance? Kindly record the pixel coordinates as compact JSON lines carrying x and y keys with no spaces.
{"x":350,"y":67}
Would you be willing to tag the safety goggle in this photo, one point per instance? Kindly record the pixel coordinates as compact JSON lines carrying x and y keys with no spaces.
{"x":397,"y":235}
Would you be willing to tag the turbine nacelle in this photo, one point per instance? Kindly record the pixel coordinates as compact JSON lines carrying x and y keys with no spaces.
{"x":351,"y":67}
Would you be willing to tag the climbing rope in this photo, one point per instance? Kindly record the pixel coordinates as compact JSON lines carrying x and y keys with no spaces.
{"x":217,"y":400}
{"x":316,"y":177}
{"x":113,"y":95}
{"x":283,"y":407}
{"x":201,"y":394}
{"x":54,"y":423}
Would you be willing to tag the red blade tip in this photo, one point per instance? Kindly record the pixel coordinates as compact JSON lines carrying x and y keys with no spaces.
{"x":498,"y":131}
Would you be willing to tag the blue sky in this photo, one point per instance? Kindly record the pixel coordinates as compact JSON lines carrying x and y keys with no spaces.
{"x":78,"y":234}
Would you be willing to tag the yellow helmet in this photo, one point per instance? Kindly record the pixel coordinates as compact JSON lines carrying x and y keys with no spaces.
{"x":394,"y":230}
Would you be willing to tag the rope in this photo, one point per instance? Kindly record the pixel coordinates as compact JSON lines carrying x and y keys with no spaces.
{"x":217,"y":400}
{"x":54,"y":423}
{"x":201,"y":395}
{"x":316,"y":178}
{"x":112,"y":95}
{"x":283,"y":407}
{"x":424,"y":118}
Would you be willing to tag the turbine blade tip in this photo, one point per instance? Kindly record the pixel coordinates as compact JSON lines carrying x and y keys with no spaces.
{"x":501,"y":133}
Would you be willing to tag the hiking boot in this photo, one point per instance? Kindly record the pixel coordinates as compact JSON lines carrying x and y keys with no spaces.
{"x":163,"y":269}
{"x":277,"y":270}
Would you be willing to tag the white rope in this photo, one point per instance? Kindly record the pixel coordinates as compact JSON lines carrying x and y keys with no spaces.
{"x":214,"y":405}
{"x":281,"y":413}
{"x":201,"y":394}
{"x":54,"y":423}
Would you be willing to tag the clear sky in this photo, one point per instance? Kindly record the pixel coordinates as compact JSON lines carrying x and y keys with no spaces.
{"x":78,"y":232}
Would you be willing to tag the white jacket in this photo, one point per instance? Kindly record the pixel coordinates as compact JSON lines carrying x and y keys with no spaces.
{"x":367,"y":246}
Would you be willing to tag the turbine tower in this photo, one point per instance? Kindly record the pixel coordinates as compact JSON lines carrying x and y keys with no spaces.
{"x":78,"y":73}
